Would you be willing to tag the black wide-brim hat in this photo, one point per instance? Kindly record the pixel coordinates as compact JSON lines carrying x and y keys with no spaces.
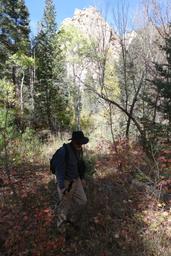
{"x":78,"y":136}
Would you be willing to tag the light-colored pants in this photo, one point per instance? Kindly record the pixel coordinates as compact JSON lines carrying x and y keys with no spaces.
{"x":76,"y":195}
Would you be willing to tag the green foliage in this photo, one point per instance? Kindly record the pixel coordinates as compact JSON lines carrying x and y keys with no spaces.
{"x":6,"y":104}
{"x":14,"y":23}
{"x":51,"y":92}
{"x":90,"y":161}
{"x":90,"y":68}
{"x":30,"y":146}
{"x":78,"y":50}
{"x":6,"y":127}
{"x":6,"y":93}
{"x":21,"y":60}
{"x":75,"y":44}
{"x":22,"y":64}
{"x":157,"y":123}
{"x":110,"y":78}
{"x":48,"y":24}
{"x":157,"y":133}
{"x":24,"y":147}
{"x":6,"y":116}
{"x":162,"y":82}
{"x":87,"y":122}
{"x":15,"y":50}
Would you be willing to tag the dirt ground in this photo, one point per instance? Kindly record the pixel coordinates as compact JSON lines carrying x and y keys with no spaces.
{"x":111,"y":224}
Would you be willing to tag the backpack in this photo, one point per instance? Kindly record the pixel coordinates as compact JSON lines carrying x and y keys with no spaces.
{"x":81,"y":163}
{"x":52,"y":160}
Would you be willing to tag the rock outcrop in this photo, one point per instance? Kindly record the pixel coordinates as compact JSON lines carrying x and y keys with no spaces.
{"x":91,"y":23}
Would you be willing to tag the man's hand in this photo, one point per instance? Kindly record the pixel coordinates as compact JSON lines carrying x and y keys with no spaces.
{"x":63,"y":191}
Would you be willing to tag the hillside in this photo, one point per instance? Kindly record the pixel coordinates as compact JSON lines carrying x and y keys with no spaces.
{"x":122,"y":215}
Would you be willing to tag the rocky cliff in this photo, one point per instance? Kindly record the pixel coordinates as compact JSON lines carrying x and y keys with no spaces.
{"x":92,"y":24}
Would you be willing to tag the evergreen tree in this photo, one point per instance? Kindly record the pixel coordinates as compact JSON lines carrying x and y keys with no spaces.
{"x":160,"y":95}
{"x":50,"y":73}
{"x":62,"y":110}
{"x":14,"y":46}
{"x":162,"y":82}
{"x":44,"y":60}
{"x":14,"y":31}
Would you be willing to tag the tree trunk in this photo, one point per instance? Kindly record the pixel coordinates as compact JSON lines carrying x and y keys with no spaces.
{"x":32,"y":79}
{"x":141,"y":131}
{"x":14,"y":79}
{"x":48,"y":111}
{"x":21,"y":94}
{"x":111,"y":123}
{"x":155,"y":108}
{"x":133,"y":105}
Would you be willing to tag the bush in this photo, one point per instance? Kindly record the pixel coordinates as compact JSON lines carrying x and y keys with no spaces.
{"x":26,"y":147}
{"x":90,"y":161}
{"x":7,"y":134}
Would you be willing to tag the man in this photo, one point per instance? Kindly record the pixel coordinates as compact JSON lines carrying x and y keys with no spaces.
{"x":70,"y":176}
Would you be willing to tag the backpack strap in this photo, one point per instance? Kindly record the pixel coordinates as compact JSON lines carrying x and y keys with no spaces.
{"x":66,"y":153}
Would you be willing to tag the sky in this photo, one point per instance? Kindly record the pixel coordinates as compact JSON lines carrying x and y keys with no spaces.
{"x":66,"y":8}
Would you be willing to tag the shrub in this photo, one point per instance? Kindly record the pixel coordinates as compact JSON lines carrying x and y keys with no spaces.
{"x":90,"y":161}
{"x":26,"y":147}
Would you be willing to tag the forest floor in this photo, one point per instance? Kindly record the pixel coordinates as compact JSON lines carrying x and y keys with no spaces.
{"x":119,"y":219}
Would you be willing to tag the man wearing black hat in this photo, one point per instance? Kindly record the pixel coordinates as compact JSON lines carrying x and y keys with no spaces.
{"x":70,"y":175}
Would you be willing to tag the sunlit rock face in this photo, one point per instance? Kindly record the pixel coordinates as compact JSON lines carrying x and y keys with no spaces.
{"x":91,"y":23}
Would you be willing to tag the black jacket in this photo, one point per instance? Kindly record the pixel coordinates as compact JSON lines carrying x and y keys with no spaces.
{"x":70,"y":170}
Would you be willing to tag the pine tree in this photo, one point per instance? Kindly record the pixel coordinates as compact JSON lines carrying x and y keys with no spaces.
{"x":14,"y":46}
{"x":160,"y":95}
{"x":163,"y":81}
{"x":14,"y":32}
{"x":61,"y":102}
{"x":50,"y":73}
{"x":44,"y":60}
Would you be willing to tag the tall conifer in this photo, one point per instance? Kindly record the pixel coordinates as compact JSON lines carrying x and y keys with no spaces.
{"x":50,"y":73}
{"x":162,"y":82}
{"x":14,"y":30}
